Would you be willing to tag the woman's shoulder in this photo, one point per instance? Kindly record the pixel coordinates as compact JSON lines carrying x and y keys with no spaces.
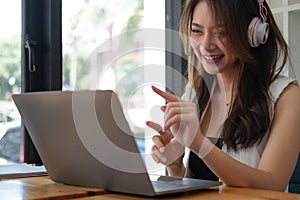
{"x":283,"y":85}
{"x":290,"y":93}
{"x":289,"y":98}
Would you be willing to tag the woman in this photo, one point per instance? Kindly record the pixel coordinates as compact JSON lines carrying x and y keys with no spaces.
{"x":239,"y":117}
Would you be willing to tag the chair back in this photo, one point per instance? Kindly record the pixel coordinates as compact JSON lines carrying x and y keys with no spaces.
{"x":294,"y":184}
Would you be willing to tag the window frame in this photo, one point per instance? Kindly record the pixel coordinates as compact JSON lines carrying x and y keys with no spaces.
{"x":41,"y":24}
{"x":177,"y":63}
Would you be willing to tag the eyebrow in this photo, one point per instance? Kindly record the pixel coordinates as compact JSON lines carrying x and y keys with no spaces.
{"x":200,"y":26}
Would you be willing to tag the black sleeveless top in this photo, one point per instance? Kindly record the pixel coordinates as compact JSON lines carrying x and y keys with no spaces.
{"x":198,"y":169}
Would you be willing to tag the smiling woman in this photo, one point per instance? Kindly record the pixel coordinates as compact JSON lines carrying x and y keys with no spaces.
{"x":233,"y":117}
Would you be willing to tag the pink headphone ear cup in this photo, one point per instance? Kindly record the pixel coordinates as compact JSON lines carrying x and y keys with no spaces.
{"x":258,"y":32}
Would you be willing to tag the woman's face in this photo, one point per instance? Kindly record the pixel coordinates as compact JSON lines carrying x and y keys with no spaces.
{"x":209,"y":41}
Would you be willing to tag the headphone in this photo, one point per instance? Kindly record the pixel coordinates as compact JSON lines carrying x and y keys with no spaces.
{"x":258,"y":29}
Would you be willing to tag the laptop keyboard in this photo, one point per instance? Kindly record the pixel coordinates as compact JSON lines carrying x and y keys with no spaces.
{"x":171,"y":185}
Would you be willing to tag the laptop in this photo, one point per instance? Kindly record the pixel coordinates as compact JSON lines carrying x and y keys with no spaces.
{"x":83,"y":139}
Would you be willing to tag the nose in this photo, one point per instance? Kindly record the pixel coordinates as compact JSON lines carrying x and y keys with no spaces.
{"x":208,"y":41}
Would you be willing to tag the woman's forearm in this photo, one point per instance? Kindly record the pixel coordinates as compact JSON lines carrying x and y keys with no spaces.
{"x":235,"y":173}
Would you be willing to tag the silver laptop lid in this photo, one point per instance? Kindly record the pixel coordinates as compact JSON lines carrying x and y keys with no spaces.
{"x":84,"y":139}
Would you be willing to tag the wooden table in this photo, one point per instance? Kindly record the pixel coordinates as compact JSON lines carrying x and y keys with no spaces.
{"x":43,"y":188}
{"x":218,"y":193}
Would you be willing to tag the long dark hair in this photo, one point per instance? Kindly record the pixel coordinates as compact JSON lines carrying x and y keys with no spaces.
{"x":249,"y":117}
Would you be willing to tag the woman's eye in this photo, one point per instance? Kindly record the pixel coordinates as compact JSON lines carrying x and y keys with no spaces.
{"x":220,"y":33}
{"x":196,"y":31}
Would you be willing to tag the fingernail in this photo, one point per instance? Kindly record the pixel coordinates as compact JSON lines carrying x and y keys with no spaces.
{"x":147,"y":123}
{"x":162,"y":149}
{"x":163,"y":108}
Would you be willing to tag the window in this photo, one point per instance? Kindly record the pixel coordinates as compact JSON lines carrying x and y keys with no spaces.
{"x":10,"y":81}
{"x":107,"y":45}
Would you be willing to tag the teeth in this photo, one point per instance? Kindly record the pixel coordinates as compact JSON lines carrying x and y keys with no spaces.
{"x":212,"y":57}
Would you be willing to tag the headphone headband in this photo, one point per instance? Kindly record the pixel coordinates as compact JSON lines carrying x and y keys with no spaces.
{"x":263,"y":10}
{"x":258,"y":29}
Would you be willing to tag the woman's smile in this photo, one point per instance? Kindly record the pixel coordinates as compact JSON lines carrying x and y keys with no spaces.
{"x":213,"y":59}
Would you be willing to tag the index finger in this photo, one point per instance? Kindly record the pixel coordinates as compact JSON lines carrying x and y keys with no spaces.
{"x":166,"y":95}
{"x":154,"y":126}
